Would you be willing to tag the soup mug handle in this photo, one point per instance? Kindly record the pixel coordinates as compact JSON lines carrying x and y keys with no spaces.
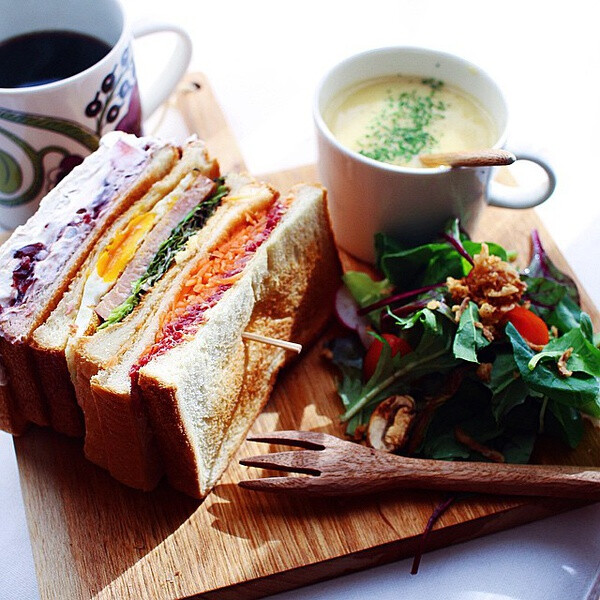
{"x":175,"y":65}
{"x":507,"y":196}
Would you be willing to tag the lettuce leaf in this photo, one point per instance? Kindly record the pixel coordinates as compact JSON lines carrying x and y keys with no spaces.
{"x":428,"y":264}
{"x":581,"y":390}
{"x":469,"y":338}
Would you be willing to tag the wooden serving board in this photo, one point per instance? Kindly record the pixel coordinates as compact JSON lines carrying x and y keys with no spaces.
{"x":94,"y":538}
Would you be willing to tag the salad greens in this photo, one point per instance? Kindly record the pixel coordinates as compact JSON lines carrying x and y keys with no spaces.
{"x":480,"y":391}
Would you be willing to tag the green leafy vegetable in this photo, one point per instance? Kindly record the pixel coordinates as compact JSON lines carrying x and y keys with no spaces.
{"x":432,"y":354}
{"x":585,"y":357}
{"x":553,"y":294}
{"x":565,"y":422}
{"x":469,"y":338}
{"x":364,"y":289}
{"x":472,"y":394}
{"x":580,"y":390}
{"x":427,"y":264}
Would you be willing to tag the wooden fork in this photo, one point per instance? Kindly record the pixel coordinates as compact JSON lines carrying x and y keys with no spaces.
{"x":338,"y":467}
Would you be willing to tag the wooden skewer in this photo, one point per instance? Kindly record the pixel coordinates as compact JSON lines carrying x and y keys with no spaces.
{"x":255,"y":337}
{"x":479,"y":158}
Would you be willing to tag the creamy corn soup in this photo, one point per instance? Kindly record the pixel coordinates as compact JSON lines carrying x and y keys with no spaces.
{"x":394,"y":119}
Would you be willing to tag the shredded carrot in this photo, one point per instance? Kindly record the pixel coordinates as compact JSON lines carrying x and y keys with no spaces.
{"x":212,"y":276}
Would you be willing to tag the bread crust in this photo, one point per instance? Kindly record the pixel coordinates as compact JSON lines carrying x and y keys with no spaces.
{"x":123,"y":423}
{"x":11,"y":419}
{"x":63,"y":412}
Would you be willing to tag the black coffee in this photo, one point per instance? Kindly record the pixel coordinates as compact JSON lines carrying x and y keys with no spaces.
{"x":46,"y":56}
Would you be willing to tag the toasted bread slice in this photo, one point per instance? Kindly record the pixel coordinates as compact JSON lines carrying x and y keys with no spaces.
{"x":126,"y":247}
{"x":41,"y":257}
{"x":203,"y":395}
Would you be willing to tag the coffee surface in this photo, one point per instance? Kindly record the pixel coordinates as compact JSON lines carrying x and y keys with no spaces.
{"x":46,"y":56}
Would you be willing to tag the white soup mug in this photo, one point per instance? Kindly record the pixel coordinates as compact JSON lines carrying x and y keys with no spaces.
{"x":413,"y":204}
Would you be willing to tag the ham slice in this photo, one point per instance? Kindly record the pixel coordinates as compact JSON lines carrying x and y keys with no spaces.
{"x":199,"y":190}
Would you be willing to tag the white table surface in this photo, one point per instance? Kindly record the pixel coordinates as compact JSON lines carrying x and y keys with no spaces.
{"x":264,"y":60}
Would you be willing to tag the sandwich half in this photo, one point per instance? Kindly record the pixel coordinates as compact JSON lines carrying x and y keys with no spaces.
{"x":106,"y":277}
{"x":175,"y":386}
{"x":202,"y":382}
{"x":42,"y":256}
{"x":118,"y":436}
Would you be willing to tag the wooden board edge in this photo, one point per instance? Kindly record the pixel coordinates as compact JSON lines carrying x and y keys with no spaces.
{"x":390,"y":552}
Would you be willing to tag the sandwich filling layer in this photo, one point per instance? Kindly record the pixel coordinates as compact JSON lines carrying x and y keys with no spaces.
{"x":133,"y":247}
{"x":206,"y":196}
{"x":211,"y":278}
{"x":36,"y":252}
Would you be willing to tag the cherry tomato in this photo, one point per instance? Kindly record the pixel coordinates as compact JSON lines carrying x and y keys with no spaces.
{"x":397,"y":344}
{"x":529,"y":325}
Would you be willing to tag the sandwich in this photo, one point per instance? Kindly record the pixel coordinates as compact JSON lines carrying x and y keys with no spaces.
{"x":200,"y":379}
{"x":118,"y":436}
{"x":141,"y":346}
{"x":41,"y":257}
{"x":105,"y":278}
{"x":174,"y":386}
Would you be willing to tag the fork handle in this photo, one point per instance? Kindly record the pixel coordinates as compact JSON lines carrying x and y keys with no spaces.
{"x":525,"y":480}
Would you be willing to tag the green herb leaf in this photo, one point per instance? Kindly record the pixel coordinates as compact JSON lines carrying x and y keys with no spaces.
{"x":504,"y":370}
{"x":514,"y":394}
{"x":552,"y":301}
{"x":365,"y":290}
{"x":470,"y":410}
{"x":400,"y":131}
{"x":585,"y":357}
{"x":581,"y":390}
{"x":432,"y":354}
{"x":518,"y":446}
{"x":564,"y":422}
{"x":469,"y":338}
{"x":587,"y":329}
{"x":542,"y":267}
{"x":428,"y":264}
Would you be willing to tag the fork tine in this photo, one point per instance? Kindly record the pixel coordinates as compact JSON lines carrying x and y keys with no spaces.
{"x":275,"y":484}
{"x":311,"y":440}
{"x":293,"y":461}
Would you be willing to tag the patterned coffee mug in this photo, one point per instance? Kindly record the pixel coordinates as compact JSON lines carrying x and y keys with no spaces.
{"x":48,"y":129}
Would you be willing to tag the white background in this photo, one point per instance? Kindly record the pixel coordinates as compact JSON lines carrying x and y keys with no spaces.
{"x":264,"y":60}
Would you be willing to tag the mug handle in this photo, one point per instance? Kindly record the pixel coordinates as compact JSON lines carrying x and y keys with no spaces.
{"x":175,"y":66}
{"x":508,"y":197}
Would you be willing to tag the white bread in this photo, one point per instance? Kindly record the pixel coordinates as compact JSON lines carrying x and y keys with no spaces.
{"x":117,"y":434}
{"x":204,"y":394}
{"x":59,"y":236}
{"x":74,"y":315}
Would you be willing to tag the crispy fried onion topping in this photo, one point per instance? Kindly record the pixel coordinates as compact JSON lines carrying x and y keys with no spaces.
{"x":492,"y":284}
{"x":562,"y":363}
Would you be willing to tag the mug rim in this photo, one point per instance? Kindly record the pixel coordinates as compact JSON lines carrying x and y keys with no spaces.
{"x":324,"y":129}
{"x":32,"y":89}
